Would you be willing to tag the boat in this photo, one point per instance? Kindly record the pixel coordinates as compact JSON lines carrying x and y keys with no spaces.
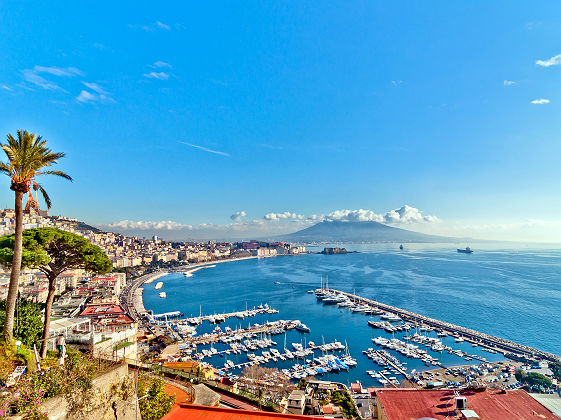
{"x":302,"y":328}
{"x":468,"y":250}
{"x":159,"y":285}
{"x":163,"y":294}
{"x":401,"y":247}
{"x":186,"y":330}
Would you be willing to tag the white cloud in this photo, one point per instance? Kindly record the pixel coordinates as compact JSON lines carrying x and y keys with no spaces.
{"x":152,"y":27}
{"x":205,"y":149}
{"x":33,"y":76}
{"x":162,"y":25}
{"x":404,"y":215}
{"x":553,"y":61}
{"x":59,"y":71}
{"x":4,"y":87}
{"x":238,"y":216}
{"x":161,"y":64}
{"x":532,"y":25}
{"x":157,"y":75}
{"x":99,"y":95}
{"x":397,"y":82}
{"x":509,"y":82}
{"x":271,"y":224}
{"x":283,"y":216}
{"x":540,"y":101}
{"x":149,"y":225}
{"x":95,"y":87}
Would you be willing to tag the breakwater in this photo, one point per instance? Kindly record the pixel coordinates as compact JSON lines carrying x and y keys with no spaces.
{"x":509,"y":348}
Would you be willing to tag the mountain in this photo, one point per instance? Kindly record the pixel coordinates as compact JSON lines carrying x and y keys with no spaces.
{"x":337,"y":231}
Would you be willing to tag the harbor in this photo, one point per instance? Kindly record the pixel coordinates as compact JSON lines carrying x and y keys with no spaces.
{"x":411,"y":343}
{"x":491,"y":343}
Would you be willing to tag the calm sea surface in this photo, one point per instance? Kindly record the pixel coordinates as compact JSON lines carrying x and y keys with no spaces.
{"x":509,"y":293}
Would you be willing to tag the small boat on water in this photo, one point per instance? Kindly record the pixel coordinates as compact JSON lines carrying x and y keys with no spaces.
{"x":163,"y":294}
{"x":401,"y":247}
{"x":302,"y":328}
{"x":159,"y":285}
{"x":467,"y":250}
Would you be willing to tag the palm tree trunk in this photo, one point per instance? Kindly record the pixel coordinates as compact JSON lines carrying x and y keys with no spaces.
{"x":16,"y":268}
{"x":47,"y":323}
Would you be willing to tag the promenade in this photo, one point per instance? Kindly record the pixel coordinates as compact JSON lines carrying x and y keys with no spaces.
{"x":131,"y":296}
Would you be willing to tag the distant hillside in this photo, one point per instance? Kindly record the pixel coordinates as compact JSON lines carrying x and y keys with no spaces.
{"x":360,"y":232}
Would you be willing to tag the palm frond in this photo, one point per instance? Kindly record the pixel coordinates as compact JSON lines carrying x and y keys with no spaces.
{"x":57,"y":173}
{"x":5,"y":168}
{"x":28,"y":156}
{"x":45,"y":196}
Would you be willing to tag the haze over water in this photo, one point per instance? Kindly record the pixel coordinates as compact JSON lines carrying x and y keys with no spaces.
{"x":510,"y":293}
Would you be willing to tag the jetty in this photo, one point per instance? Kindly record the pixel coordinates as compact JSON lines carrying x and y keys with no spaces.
{"x":255,"y":329}
{"x":217,"y":318}
{"x":509,"y":348}
{"x":383,"y":356}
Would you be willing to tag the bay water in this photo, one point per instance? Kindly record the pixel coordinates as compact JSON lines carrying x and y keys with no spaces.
{"x":504,"y":291}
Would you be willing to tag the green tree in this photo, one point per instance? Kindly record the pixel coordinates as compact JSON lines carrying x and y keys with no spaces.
{"x":537,"y":380}
{"x":153,"y":401}
{"x":556,"y":369}
{"x":519,"y":375}
{"x":54,"y":251}
{"x":28,"y":324}
{"x":28,"y":156}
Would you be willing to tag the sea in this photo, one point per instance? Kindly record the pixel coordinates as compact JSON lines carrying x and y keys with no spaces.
{"x":508,"y":291}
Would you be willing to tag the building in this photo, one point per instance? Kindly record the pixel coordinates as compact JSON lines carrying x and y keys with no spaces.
{"x":296,"y":402}
{"x":467,"y":404}
{"x":114,"y":332}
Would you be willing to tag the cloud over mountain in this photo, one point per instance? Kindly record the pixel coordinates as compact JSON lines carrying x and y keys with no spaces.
{"x":270,"y":224}
{"x":403,"y":215}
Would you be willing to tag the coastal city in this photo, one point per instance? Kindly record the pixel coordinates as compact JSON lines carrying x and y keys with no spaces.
{"x":282,"y":360}
{"x":280,"y":210}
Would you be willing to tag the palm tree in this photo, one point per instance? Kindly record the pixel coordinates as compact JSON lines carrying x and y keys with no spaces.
{"x":28,"y":156}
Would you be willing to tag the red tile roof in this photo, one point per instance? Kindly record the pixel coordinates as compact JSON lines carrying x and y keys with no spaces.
{"x":102,"y":310}
{"x":185,"y":411}
{"x":407,"y":404}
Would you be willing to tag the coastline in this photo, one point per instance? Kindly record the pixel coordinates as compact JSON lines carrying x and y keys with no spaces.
{"x":134,"y":297}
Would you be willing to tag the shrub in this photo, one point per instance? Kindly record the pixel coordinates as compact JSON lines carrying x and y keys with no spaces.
{"x":153,"y":401}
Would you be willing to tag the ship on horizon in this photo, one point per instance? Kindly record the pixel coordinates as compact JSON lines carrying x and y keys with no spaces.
{"x":468,"y":250}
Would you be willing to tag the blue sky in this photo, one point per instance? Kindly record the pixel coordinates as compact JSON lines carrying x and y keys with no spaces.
{"x":311,"y":108}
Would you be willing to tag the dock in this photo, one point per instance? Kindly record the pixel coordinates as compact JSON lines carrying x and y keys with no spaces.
{"x":238,"y":314}
{"x":508,"y":348}
{"x":382,"y":355}
{"x":213,"y":338}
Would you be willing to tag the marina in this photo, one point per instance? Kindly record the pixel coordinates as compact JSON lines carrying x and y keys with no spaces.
{"x":488,"y":342}
{"x":346,"y":316}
